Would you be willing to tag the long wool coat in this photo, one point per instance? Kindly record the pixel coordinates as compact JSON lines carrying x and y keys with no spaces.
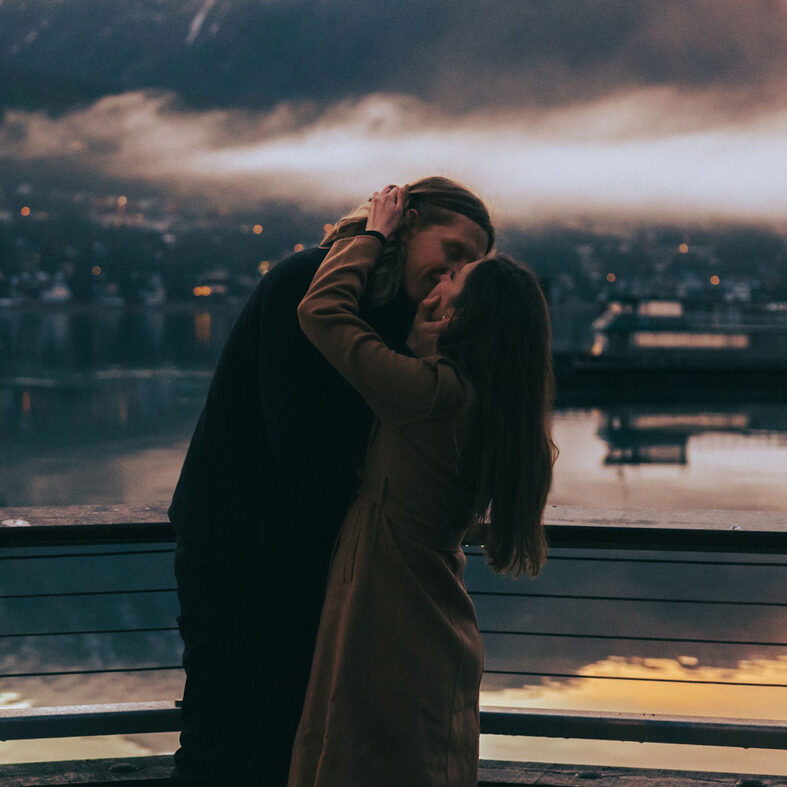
{"x":393,"y":692}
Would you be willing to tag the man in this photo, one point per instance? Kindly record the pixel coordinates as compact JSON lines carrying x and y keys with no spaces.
{"x":268,"y":478}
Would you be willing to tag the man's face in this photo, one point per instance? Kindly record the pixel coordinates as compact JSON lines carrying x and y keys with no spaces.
{"x":438,"y":249}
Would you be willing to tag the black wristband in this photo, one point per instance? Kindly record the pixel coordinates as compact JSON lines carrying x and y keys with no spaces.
{"x":375,"y":234}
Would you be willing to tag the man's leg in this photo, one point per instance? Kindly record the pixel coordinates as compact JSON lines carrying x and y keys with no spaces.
{"x":295,"y":589}
{"x":219,"y":625}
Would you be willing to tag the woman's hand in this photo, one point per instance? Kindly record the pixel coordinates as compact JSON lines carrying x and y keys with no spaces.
{"x":426,"y":330}
{"x":386,"y":209}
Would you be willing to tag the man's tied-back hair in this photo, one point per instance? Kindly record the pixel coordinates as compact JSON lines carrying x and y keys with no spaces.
{"x":436,"y":199}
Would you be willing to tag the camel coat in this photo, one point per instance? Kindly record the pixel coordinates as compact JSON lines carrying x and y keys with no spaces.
{"x":393,"y":692}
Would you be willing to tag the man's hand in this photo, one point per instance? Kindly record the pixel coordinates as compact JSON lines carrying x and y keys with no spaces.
{"x":386,"y":209}
{"x":426,"y":330}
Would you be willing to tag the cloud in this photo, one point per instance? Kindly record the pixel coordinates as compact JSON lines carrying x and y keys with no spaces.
{"x":648,"y":154}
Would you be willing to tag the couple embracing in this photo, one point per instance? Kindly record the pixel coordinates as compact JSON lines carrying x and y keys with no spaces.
{"x":377,"y":397}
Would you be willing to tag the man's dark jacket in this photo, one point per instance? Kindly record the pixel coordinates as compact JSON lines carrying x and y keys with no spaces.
{"x":269,"y":475}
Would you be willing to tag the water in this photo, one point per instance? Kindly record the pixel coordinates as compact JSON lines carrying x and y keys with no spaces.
{"x":96,"y":407}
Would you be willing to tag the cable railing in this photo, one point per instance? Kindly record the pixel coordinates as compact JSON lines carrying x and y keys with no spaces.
{"x":669,"y":545}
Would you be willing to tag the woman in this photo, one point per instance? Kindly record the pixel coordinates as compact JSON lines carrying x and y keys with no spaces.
{"x":393,"y":692}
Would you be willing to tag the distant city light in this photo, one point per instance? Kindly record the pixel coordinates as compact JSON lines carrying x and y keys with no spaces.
{"x":257,"y":229}
{"x":25,"y":211}
{"x":264,"y":267}
{"x":122,"y":202}
{"x":202,"y":291}
{"x":202,"y":327}
{"x":683,"y":248}
{"x":96,"y":270}
{"x":714,"y":280}
{"x":298,"y":247}
{"x":611,"y":278}
{"x":26,"y":401}
{"x":690,"y":341}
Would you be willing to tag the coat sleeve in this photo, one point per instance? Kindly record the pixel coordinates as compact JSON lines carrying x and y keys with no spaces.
{"x":398,"y":388}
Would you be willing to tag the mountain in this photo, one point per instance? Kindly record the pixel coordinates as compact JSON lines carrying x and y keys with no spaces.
{"x":458,"y":54}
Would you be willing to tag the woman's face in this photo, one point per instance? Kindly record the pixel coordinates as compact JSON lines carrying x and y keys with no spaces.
{"x":449,"y":288}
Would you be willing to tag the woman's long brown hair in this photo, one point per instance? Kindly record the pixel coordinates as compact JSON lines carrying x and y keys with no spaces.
{"x":500,"y":339}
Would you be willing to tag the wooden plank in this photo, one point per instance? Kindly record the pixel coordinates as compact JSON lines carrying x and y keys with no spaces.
{"x":711,"y":519}
{"x":130,"y":771}
{"x":57,"y":516}
{"x":74,"y":720}
{"x":500,"y":774}
{"x":156,"y":770}
{"x":640,"y":727}
{"x":736,"y":531}
{"x":706,"y":519}
{"x":137,"y":717}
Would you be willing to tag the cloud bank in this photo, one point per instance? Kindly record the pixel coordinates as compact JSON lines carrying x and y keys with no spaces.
{"x":657,"y":153}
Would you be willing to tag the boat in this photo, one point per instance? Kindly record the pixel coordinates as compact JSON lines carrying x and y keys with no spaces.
{"x":652,"y":346}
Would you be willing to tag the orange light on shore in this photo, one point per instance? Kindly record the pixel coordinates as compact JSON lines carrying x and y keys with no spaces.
{"x":327,"y":227}
{"x":714,"y":280}
{"x":611,"y":278}
{"x":264,"y":267}
{"x":257,"y":229}
{"x":25,"y":211}
{"x":122,"y":202}
{"x":683,"y":248}
{"x":26,"y":402}
{"x":298,"y":247}
{"x":96,"y":270}
{"x":202,"y":291}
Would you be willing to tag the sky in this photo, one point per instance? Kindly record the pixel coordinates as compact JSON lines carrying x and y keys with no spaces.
{"x":552,"y":110}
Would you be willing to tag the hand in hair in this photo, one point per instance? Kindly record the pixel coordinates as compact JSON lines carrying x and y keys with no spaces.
{"x":426,"y":330}
{"x":386,"y":209}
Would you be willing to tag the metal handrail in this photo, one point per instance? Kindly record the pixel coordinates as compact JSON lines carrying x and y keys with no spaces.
{"x":121,"y":525}
{"x":153,"y":717}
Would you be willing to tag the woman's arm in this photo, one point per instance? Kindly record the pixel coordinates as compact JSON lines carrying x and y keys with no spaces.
{"x":397,"y":388}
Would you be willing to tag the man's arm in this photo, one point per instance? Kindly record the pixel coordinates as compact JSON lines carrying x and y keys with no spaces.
{"x":317,"y":425}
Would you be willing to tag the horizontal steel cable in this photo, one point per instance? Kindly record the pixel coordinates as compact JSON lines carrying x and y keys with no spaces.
{"x":90,"y":632}
{"x":665,"y":561}
{"x":90,"y":554}
{"x":89,"y":593}
{"x":488,"y":671}
{"x":494,"y":632}
{"x":630,"y":638}
{"x":627,"y":598}
{"x":88,"y":672}
{"x":622,"y":677}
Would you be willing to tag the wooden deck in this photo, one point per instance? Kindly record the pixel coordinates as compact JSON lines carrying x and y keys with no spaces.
{"x":155,"y":771}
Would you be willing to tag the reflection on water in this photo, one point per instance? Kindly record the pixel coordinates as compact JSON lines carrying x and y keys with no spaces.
{"x":644,"y":694}
{"x":676,"y":457}
{"x":120,"y":437}
{"x":97,"y":407}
